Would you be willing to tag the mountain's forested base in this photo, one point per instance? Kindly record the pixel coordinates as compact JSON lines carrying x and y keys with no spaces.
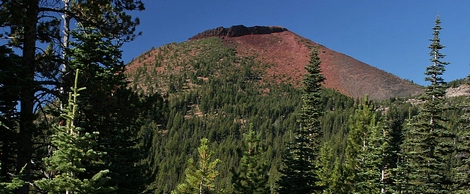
{"x":219,"y":99}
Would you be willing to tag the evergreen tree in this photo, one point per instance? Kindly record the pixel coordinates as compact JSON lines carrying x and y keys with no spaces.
{"x":9,"y":187}
{"x":29,"y":22}
{"x":401,"y":174}
{"x":429,"y":140}
{"x":393,"y":179}
{"x":110,"y":108}
{"x":363,"y":163}
{"x":331,"y":171}
{"x":300,"y":161}
{"x":252,"y":176}
{"x":200,"y":177}
{"x":8,"y":119}
{"x":74,"y":148}
{"x":461,"y":170}
{"x":9,"y":95}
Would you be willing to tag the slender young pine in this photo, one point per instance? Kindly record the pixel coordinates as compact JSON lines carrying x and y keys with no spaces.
{"x":252,"y":177}
{"x":200,"y":177}
{"x":74,"y":150}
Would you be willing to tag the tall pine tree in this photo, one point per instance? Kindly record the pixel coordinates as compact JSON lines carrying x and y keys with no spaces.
{"x":429,"y":140}
{"x":300,"y":161}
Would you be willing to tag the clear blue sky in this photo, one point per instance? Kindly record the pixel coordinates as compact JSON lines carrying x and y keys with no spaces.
{"x":390,"y":35}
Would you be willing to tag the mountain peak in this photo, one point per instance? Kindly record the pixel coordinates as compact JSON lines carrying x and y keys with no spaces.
{"x":238,"y":30}
{"x":281,"y":56}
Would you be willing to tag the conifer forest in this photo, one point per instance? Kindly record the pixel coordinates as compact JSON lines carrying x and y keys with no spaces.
{"x":74,"y":120}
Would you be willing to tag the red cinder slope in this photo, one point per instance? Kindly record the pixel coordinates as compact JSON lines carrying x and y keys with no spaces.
{"x":289,"y":53}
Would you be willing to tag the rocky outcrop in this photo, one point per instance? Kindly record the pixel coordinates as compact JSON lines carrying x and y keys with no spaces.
{"x":462,"y":90}
{"x":239,"y":30}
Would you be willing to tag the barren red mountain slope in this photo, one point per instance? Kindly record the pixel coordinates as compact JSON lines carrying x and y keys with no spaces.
{"x":289,"y":53}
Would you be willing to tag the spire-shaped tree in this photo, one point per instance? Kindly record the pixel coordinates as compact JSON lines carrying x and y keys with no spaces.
{"x":299,"y":174}
{"x":429,"y":140}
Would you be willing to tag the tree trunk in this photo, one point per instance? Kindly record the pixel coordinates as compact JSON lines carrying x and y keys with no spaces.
{"x":25,"y":135}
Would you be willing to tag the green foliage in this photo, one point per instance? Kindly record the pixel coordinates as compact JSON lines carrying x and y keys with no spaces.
{"x":458,"y":82}
{"x":74,"y":150}
{"x":219,"y":107}
{"x":461,"y":169}
{"x":252,"y":176}
{"x":299,"y":173}
{"x":41,"y":75}
{"x":330,"y":173}
{"x":367,"y":143}
{"x":210,"y":91}
{"x":429,"y":141}
{"x":119,"y":114}
{"x":364,"y":152}
{"x":11,"y":186}
{"x":395,"y":119}
{"x":200,"y":178}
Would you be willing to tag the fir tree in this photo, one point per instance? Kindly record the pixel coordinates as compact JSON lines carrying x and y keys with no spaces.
{"x":300,"y":161}
{"x":392,"y":160}
{"x":363,"y":164}
{"x":252,"y":177}
{"x":429,"y":140}
{"x":401,"y":174}
{"x":74,"y":149}
{"x":200,"y":177}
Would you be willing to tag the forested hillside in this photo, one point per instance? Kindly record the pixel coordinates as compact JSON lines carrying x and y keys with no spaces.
{"x":220,"y":102}
{"x":203,"y":116}
{"x":217,"y":94}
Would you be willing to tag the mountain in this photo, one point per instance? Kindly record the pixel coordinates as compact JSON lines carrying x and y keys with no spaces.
{"x":281,"y":54}
{"x":224,"y":81}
